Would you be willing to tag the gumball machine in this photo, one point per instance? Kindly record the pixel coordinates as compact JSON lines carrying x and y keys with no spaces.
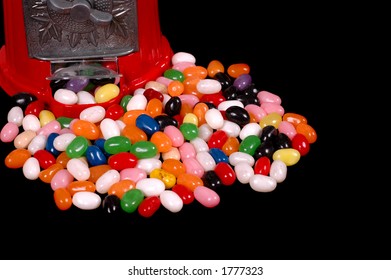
{"x":50,"y":42}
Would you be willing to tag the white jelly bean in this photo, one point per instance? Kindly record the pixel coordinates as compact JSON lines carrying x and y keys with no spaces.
{"x":206,"y":161}
{"x":262,"y":183}
{"x":86,"y":200}
{"x":199,"y":145}
{"x":37,"y":143}
{"x":243,"y":172}
{"x":65,"y":96}
{"x":61,"y":142}
{"x":31,"y":168}
{"x":137,"y":102}
{"x":150,"y":186}
{"x":15,"y":115}
{"x":231,"y":129}
{"x":205,"y":132}
{"x":250,"y":129}
{"x":31,"y":122}
{"x":237,"y":157}
{"x":93,"y":114}
{"x":78,"y":169}
{"x":149,"y":164}
{"x":208,"y":86}
{"x":120,"y":124}
{"x":179,"y":57}
{"x":214,"y":118}
{"x":106,"y":180}
{"x":84,"y":97}
{"x":109,"y":128}
{"x":278,"y":170}
{"x":139,"y":91}
{"x":223,"y":106}
{"x":171,"y":201}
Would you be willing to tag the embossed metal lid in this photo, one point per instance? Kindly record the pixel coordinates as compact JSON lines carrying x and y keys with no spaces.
{"x":80,"y":29}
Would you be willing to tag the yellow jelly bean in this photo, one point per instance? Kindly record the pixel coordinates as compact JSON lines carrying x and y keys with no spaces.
{"x":289,"y":156}
{"x":45,"y":117}
{"x":273,"y":119}
{"x":106,"y":93}
{"x":167,"y":178}
{"x":190,"y":118}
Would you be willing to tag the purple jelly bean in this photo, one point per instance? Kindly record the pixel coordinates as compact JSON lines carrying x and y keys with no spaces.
{"x":243,"y":81}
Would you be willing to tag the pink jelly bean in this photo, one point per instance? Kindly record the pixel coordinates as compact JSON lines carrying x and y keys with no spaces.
{"x":9,"y":131}
{"x":287,"y":128}
{"x":256,"y":111}
{"x":189,"y":99}
{"x":206,"y":196}
{"x":187,"y":151}
{"x":61,"y":179}
{"x":268,"y":97}
{"x":163,"y":80}
{"x":135,"y":174}
{"x":181,"y":66}
{"x":193,"y":166}
{"x":272,"y":108}
{"x":53,"y":126}
{"x":175,"y":135}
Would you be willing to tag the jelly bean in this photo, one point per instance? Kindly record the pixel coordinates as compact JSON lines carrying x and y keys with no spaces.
{"x":134,"y":134}
{"x":45,"y":158}
{"x":237,"y":69}
{"x":45,"y":117}
{"x":282,"y":141}
{"x":77,"y":83}
{"x":294,"y":118}
{"x":214,"y":118}
{"x":184,"y":193}
{"x":273,"y":119}
{"x":174,"y":74}
{"x":31,"y":122}
{"x":64,"y":121}
{"x":237,"y":115}
{"x":114,"y":111}
{"x":47,"y":174}
{"x":189,"y":131}
{"x":121,"y":187}
{"x":218,"y":139}
{"x":224,"y":80}
{"x":93,"y":114}
{"x":164,"y":121}
{"x":15,"y":115}
{"x":289,"y":156}
{"x":223,"y":106}
{"x":273,"y":108}
{"x":206,"y":160}
{"x":243,"y":81}
{"x":301,"y":144}
{"x":172,"y":154}
{"x":9,"y":132}
{"x":80,"y":186}
{"x":61,"y":179}
{"x":78,"y":169}
{"x":208,"y":86}
{"x":62,"y":199}
{"x":190,"y":87}
{"x":226,"y":173}
{"x":23,"y":139}
{"x":16,"y":158}
{"x":179,"y":57}
{"x":199,"y":145}
{"x":162,"y":141}
{"x":144,"y":149}
{"x":181,"y":66}
{"x":167,"y":178}
{"x":117,"y":144}
{"x":211,"y":180}
{"x":147,"y":124}
{"x":175,"y":135}
{"x":256,"y":111}
{"x":190,"y":181}
{"x":214,"y":98}
{"x":250,"y":129}
{"x":163,"y":80}
{"x":95,"y":156}
{"x":149,"y":206}
{"x":111,"y":204}
{"x":278,"y":170}
{"x":86,"y":200}
{"x":239,"y":156}
{"x":262,"y":183}
{"x":243,"y":172}
{"x":218,"y":155}
{"x":65,"y":96}
{"x":171,"y":201}
{"x":23,"y":99}
{"x":125,"y":100}
{"x":173,"y":166}
{"x":109,"y":128}
{"x":231,"y":129}
{"x":159,"y":87}
{"x":206,"y":196}
{"x":173,"y":106}
{"x":97,"y":171}
{"x":205,"y":132}
{"x":154,"y":108}
{"x":78,"y":147}
{"x":193,"y":166}
{"x":106,"y":92}
{"x":63,"y":159}
{"x":122,"y":160}
{"x":195,"y":71}
{"x":189,"y":98}
{"x":231,"y":145}
{"x":250,"y":144}
{"x":86,"y":129}
{"x":137,"y":102}
{"x":287,"y":128}
{"x":187,"y":151}
{"x":268,"y":97}
{"x":134,"y":174}
{"x":149,"y":164}
{"x":215,"y":66}
{"x":151,"y":93}
{"x":308,"y":131}
{"x":84,"y":97}
{"x":150,"y":186}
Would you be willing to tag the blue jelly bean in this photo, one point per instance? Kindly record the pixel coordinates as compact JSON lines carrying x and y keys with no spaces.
{"x":50,"y":144}
{"x":95,"y":156}
{"x":147,"y":124}
{"x":218,"y":155}
{"x":100,"y":143}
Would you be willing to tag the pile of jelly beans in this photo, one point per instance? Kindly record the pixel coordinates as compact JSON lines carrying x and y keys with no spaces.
{"x":177,"y":140}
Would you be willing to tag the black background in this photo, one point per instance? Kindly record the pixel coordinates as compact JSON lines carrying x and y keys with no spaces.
{"x":318,"y":212}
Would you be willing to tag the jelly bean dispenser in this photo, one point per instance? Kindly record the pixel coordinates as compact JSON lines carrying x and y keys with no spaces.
{"x":49,"y":42}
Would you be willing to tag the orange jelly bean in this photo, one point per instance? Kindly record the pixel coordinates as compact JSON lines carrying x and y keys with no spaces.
{"x":47,"y":174}
{"x":62,"y":199}
{"x":162,"y":142}
{"x":237,"y":69}
{"x":63,"y":159}
{"x":294,"y":118}
{"x":185,"y":108}
{"x":130,"y":116}
{"x":214,"y":67}
{"x":174,"y":166}
{"x":97,"y":171}
{"x":87,"y":129}
{"x":308,"y":131}
{"x":134,"y":133}
{"x":231,"y":146}
{"x":154,"y":107}
{"x":16,"y":158}
{"x":79,"y":186}
{"x":190,"y":86}
{"x":121,"y":187}
{"x":190,"y":181}
{"x":195,"y":71}
{"x":175,"y":88}
{"x":200,"y":110}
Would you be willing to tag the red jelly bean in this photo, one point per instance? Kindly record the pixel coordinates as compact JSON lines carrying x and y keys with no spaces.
{"x":115,"y":111}
{"x":45,"y":158}
{"x":226,"y":173}
{"x":300,"y":143}
{"x":262,"y":166}
{"x":122,"y":160}
{"x":184,"y":193}
{"x":217,"y":139}
{"x":149,"y":206}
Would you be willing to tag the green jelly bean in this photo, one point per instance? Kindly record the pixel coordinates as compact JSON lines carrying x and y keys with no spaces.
{"x":131,"y":199}
{"x":174,"y":74}
{"x":189,"y":130}
{"x":125,"y":100}
{"x":117,"y":144}
{"x":249,"y":144}
{"x":78,"y":147}
{"x":64,"y":121}
{"x":143,"y":149}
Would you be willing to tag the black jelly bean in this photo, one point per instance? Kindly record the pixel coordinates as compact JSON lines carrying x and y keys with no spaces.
{"x":173,"y":106}
{"x":269,"y":132}
{"x":237,"y":115}
{"x":164,"y":120}
{"x":111,"y":204}
{"x":231,"y":93}
{"x":22,"y":99}
{"x":265,"y":149}
{"x":224,"y":80}
{"x":211,"y":180}
{"x":282,"y":141}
